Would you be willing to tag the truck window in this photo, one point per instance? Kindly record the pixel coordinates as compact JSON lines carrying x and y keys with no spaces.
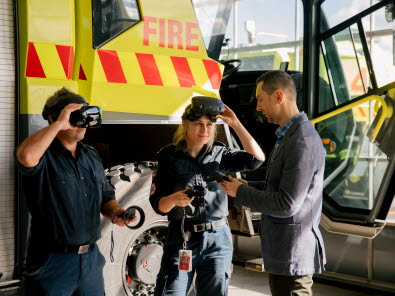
{"x":379,"y":33}
{"x":251,"y":36}
{"x":337,"y":11}
{"x":213,"y":19}
{"x":391,"y":213}
{"x":111,"y":18}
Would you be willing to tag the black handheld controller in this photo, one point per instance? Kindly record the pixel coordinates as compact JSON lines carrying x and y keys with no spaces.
{"x":130,"y":213}
{"x":196,"y":191}
{"x":216,"y":177}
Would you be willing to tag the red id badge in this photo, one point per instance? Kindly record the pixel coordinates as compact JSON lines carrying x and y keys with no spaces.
{"x":185,"y":260}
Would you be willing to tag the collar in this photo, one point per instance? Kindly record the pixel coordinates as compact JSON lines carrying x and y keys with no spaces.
{"x":282,"y":130}
{"x":202,"y":151}
{"x":58,"y":147}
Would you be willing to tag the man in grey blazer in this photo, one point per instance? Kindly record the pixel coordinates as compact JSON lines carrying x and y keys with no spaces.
{"x":290,"y":199}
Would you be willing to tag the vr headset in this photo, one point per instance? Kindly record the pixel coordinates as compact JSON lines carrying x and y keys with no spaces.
{"x":87,"y":116}
{"x":201,"y":106}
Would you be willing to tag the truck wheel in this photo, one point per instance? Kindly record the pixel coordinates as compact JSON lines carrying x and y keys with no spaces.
{"x":132,"y":265}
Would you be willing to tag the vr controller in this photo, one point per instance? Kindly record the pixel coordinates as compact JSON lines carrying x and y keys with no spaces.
{"x":216,"y":177}
{"x":130,"y":213}
{"x":196,"y":191}
{"x":200,"y":191}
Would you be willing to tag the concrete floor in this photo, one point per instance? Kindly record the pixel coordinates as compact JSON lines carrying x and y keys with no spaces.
{"x":252,"y":283}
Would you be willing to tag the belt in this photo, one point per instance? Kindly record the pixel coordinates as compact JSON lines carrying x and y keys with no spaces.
{"x":75,"y":249}
{"x":209,"y":225}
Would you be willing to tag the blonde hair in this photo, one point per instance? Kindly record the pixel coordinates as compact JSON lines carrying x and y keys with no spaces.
{"x":180,"y":135}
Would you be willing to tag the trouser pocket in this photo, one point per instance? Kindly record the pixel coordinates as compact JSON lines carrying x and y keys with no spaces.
{"x":33,"y":268}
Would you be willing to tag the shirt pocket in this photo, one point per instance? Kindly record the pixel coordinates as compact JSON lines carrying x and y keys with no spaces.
{"x":97,"y":187}
{"x":66,"y":189}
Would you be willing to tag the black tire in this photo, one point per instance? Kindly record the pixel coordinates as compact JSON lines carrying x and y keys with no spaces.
{"x":123,"y":276}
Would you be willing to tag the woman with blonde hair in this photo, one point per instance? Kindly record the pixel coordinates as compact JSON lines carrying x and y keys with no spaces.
{"x":199,"y":237}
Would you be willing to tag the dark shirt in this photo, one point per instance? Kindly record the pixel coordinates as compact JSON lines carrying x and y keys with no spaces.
{"x":178,"y":170}
{"x":64,"y":196}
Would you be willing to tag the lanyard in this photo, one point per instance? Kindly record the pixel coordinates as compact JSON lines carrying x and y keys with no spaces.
{"x":186,"y":235}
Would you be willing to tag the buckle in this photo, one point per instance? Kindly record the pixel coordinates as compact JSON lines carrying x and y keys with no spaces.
{"x":199,"y":227}
{"x":83,"y":249}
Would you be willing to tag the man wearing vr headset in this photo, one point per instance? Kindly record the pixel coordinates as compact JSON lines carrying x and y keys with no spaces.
{"x":199,"y":237}
{"x":66,"y":190}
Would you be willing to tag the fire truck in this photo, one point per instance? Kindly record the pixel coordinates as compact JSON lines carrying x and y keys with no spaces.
{"x":143,"y":61}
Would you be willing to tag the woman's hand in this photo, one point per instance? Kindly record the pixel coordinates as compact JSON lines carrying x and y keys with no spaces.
{"x":229,"y":117}
{"x":179,"y":198}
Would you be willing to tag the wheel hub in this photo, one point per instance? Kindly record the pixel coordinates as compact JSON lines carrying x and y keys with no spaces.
{"x":147,"y":263}
{"x":143,"y":261}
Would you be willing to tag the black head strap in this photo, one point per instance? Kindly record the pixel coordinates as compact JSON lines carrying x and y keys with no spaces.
{"x":54,"y":107}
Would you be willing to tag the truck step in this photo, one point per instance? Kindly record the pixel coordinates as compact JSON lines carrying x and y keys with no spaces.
{"x":249,"y":262}
{"x":255,"y":264}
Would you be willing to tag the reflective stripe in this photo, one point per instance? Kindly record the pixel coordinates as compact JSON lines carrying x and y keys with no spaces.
{"x":131,"y":68}
{"x":66,"y":55}
{"x":183,"y":71}
{"x":33,"y":65}
{"x":343,"y":154}
{"x":46,"y":60}
{"x":81,"y":74}
{"x":167,"y":70}
{"x":111,"y":66}
{"x":149,"y":69}
{"x":53,"y":61}
{"x":213,"y":72}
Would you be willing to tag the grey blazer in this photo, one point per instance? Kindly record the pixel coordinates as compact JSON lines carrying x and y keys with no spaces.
{"x":291,"y":203}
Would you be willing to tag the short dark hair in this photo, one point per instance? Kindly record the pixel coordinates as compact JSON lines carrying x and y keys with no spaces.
{"x":277,"y":79}
{"x":60,"y":99}
{"x":59,"y":93}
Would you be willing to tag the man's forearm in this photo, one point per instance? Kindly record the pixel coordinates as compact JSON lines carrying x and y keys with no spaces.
{"x":34,"y":147}
{"x":111,"y":209}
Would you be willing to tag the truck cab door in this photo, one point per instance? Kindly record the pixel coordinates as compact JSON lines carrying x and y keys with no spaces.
{"x":354,"y":117}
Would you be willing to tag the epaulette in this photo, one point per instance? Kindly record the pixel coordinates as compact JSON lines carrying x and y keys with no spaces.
{"x":166,"y":148}
{"x":90,"y":147}
{"x":218,"y":143}
{"x":94,"y":151}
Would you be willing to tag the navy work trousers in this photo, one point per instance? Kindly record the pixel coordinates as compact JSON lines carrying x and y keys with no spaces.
{"x":211,"y":260}
{"x":65,"y":274}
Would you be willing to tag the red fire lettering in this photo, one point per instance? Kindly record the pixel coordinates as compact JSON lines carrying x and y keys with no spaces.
{"x":162,"y":32}
{"x":191,"y":36}
{"x":147,"y":29}
{"x":175,"y":31}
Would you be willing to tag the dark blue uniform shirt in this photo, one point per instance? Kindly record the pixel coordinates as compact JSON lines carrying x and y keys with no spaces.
{"x":178,"y":170}
{"x":64,"y":196}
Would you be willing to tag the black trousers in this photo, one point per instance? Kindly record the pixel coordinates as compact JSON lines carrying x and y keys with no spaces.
{"x":283,"y":285}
